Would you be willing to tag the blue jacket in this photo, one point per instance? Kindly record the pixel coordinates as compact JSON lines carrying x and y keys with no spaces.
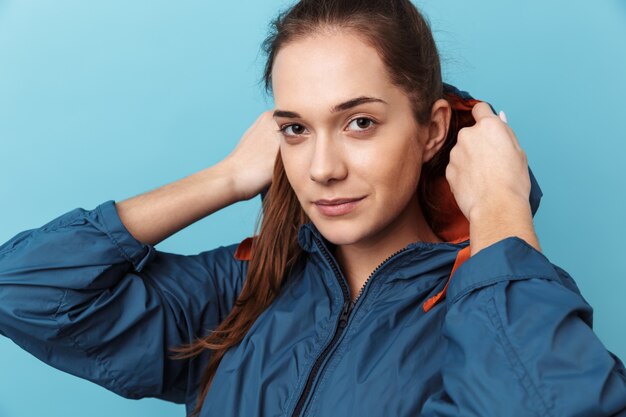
{"x":433,"y":333}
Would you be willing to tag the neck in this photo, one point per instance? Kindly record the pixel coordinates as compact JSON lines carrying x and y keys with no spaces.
{"x":360,"y":259}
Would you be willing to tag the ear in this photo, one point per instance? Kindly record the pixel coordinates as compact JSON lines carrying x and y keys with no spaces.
{"x":437,"y":129}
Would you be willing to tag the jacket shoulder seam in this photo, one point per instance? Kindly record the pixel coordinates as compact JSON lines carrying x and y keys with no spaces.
{"x":495,"y":280}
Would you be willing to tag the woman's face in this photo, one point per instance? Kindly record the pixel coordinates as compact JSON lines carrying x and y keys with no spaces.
{"x":336,"y":147}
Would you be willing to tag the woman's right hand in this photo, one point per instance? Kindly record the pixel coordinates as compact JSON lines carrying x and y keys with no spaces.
{"x":252,"y":161}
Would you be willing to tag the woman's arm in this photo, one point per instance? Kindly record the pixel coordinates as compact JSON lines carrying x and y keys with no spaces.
{"x":83,"y":295}
{"x":494,"y":222}
{"x":155,"y":215}
{"x":89,"y":294}
{"x":520,"y":338}
{"x":519,"y":333}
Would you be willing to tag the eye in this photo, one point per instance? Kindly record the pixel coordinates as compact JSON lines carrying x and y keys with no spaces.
{"x":298,"y":129}
{"x":365,"y":122}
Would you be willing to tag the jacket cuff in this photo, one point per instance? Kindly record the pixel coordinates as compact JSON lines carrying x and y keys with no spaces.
{"x":509,"y":259}
{"x":135,"y":251}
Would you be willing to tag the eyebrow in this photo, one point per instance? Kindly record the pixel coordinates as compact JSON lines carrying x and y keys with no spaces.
{"x":353,"y":102}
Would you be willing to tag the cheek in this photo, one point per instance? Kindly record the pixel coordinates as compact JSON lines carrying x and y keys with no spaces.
{"x":293,"y":163}
{"x":390,"y":163}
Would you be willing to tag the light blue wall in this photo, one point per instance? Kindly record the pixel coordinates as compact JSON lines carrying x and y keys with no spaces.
{"x":106,"y":100}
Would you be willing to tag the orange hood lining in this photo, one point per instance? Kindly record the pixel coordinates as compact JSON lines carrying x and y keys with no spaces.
{"x":454,"y":227}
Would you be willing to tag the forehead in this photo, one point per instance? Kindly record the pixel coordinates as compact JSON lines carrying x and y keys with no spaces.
{"x":325,"y":69}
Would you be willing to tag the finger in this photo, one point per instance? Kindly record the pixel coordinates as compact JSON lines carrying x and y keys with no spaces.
{"x":502,"y":116}
{"x":482,"y":110}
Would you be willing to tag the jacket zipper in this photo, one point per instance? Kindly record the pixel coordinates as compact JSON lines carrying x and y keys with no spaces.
{"x":343,"y":321}
{"x":374,"y":271}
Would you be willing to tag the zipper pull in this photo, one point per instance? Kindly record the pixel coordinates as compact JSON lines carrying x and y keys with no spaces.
{"x":345,"y":313}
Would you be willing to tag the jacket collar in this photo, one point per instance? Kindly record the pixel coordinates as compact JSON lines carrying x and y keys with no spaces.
{"x":307,"y":233}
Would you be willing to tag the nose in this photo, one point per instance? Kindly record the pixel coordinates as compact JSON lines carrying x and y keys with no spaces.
{"x":327,"y":162}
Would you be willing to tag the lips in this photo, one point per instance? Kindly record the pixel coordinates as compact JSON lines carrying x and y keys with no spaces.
{"x":326,"y":202}
{"x":338,"y":206}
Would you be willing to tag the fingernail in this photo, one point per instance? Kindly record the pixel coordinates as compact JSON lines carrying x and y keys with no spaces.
{"x":502,"y":116}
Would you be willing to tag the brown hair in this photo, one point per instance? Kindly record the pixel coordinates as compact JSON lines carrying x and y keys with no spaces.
{"x":402,"y":36}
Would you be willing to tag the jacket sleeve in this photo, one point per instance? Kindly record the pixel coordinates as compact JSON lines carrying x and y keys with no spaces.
{"x":83,"y":295}
{"x":520,"y":342}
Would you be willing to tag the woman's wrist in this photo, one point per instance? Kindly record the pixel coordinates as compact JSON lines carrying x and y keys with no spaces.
{"x":493,"y":222}
{"x":228,"y":172}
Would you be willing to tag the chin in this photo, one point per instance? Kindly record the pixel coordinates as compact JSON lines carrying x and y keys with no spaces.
{"x":345,"y":234}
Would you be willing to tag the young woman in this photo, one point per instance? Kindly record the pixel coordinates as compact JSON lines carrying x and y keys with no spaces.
{"x":396,"y":271}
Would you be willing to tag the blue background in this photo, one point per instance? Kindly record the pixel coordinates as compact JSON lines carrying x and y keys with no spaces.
{"x":107,"y":100}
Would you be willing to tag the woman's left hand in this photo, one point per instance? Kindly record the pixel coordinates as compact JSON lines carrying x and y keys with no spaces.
{"x":489,"y":178}
{"x":487,"y":166}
